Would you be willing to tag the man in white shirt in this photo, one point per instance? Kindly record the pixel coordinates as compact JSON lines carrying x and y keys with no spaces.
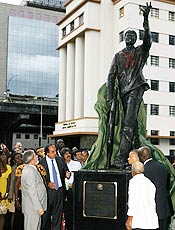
{"x":72,"y":166}
{"x":142,"y":207}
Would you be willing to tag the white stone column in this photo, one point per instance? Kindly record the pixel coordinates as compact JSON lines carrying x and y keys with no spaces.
{"x":79,"y":77}
{"x":91,"y":72}
{"x":62,"y":85}
{"x":70,"y":81}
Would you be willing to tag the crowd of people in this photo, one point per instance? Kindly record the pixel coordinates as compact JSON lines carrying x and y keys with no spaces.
{"x":36,"y":186}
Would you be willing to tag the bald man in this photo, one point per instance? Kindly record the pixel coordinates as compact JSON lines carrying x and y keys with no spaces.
{"x":141,"y":203}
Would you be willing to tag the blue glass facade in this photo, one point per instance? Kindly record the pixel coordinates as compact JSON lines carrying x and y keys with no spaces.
{"x":32,"y":62}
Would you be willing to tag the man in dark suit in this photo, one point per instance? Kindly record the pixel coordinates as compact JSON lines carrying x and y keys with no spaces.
{"x":158,"y":174}
{"x":56,"y":170}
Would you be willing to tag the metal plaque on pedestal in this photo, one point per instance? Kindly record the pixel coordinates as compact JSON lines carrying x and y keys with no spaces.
{"x":100,"y":199}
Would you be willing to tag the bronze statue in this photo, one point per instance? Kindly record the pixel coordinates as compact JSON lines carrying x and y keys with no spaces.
{"x":127,"y":68}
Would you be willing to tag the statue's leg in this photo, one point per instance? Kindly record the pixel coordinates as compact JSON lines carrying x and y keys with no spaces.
{"x":131,"y":108}
{"x":136,"y":141}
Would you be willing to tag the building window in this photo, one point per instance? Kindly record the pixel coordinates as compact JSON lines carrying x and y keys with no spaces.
{"x":172,"y":111}
{"x":18,"y":136}
{"x":13,"y":12}
{"x":121,"y":12}
{"x":27,"y":136}
{"x":154,"y":132}
{"x":172,"y":63}
{"x":141,"y":34}
{"x":172,"y":87}
{"x":54,"y":19}
{"x":64,"y":32}
{"x":155,"y":12}
{"x":38,"y":16}
{"x":171,"y":16}
{"x":44,"y":136}
{"x":35,"y":136}
{"x":154,"y":141}
{"x":155,"y":85}
{"x":47,"y":18}
{"x":172,"y":141}
{"x":171,"y":40}
{"x":155,"y":36}
{"x":172,"y":152}
{"x":72,"y":26}
{"x":30,"y":15}
{"x":155,"y":60}
{"x":21,"y":13}
{"x":154,"y":109}
{"x":81,"y":19}
{"x":121,"y":36}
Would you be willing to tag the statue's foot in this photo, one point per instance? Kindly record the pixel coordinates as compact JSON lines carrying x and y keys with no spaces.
{"x":118,"y":164}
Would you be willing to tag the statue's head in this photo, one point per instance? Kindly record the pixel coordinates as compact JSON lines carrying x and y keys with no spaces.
{"x":130,"y":37}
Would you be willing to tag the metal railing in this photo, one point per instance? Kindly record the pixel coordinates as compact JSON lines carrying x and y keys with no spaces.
{"x":54,"y":4}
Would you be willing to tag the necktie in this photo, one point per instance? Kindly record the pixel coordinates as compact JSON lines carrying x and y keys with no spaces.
{"x":55,"y":176}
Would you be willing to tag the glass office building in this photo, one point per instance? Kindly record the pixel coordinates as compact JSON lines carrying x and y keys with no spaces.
{"x":32,"y":59}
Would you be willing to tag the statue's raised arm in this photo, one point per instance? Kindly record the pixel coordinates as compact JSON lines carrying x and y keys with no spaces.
{"x":147,"y":35}
{"x":146,"y":9}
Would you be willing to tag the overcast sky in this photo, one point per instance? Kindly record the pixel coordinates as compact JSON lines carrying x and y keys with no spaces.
{"x":15,"y":2}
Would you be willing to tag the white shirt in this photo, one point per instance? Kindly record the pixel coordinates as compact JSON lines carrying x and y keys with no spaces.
{"x":49,"y":163}
{"x":141,"y":203}
{"x":73,"y":166}
{"x":147,"y":161}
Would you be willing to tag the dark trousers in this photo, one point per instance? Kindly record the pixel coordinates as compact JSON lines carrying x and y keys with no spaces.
{"x":18,"y":220}
{"x":163,"y":224}
{"x":131,"y":104}
{"x":18,"y":223}
{"x":52,"y":217}
{"x":8,"y":218}
{"x":68,"y":210}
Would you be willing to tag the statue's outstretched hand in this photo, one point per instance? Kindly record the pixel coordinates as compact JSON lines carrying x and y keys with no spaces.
{"x":146,"y":9}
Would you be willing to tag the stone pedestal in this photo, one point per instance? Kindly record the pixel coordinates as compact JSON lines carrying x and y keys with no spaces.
{"x":100,"y":199}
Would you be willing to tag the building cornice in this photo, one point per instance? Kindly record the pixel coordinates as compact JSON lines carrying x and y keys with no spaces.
{"x":115,"y":1}
{"x":73,"y":134}
{"x":160,"y":137}
{"x":165,"y":1}
{"x":77,"y":119}
{"x":75,"y":9}
{"x":69,"y":1}
{"x":77,"y":35}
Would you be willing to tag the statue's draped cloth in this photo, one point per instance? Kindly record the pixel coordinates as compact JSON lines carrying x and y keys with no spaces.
{"x":98,"y":156}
